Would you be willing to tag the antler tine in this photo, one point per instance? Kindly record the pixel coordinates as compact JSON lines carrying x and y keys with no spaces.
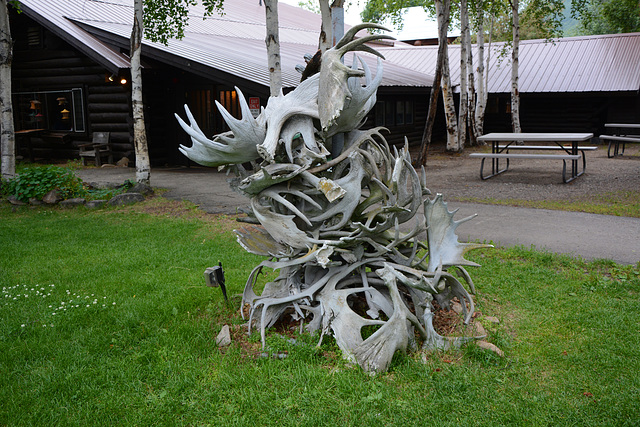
{"x":358,"y":44}
{"x":351,"y":33}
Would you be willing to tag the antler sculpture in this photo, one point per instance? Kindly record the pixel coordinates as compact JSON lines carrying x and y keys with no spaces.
{"x":338,"y":230}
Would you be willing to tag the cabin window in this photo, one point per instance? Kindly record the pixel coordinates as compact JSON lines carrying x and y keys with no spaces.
{"x":61,"y":110}
{"x":394,"y":113}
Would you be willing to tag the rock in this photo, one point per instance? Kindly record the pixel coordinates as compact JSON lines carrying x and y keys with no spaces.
{"x":491,"y":319}
{"x":123,"y":162}
{"x":224,"y":337}
{"x":478,"y":329}
{"x":491,"y":347}
{"x":93,"y":204}
{"x":14,"y":201}
{"x":34,"y":202}
{"x":457,"y":307}
{"x":52,"y":197}
{"x":126,"y":199}
{"x":71,"y":203}
{"x":108,"y":165}
{"x":142,"y":189}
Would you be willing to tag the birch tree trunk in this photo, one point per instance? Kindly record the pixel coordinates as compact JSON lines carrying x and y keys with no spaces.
{"x":273,"y":47}
{"x":447,"y":92}
{"x":463,"y":111}
{"x":515,"y":94}
{"x":143,"y":166}
{"x":437,"y":80}
{"x":481,"y":97}
{"x":326,"y":34}
{"x":7,"y":137}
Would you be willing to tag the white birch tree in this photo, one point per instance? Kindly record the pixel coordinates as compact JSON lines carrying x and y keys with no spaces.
{"x":155,"y":20}
{"x":143,"y":164}
{"x":273,"y":47}
{"x":515,"y":93}
{"x":7,"y":137}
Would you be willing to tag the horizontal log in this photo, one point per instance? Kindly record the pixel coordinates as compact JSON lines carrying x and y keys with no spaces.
{"x":108,"y":98}
{"x":69,"y":81}
{"x":71,"y":61}
{"x":108,"y":107}
{"x":113,"y":127}
{"x":107,"y":88}
{"x":58,"y":71}
{"x":109,"y":118}
{"x":121,"y":148}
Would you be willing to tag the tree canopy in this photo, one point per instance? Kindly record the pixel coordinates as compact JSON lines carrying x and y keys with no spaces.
{"x":165,"y":19}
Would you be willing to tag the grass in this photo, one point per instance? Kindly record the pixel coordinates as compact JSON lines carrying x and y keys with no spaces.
{"x":618,"y":203}
{"x":145,"y":353}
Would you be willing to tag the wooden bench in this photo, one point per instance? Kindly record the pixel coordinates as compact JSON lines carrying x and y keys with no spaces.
{"x":571,"y":152}
{"x":614,"y":142}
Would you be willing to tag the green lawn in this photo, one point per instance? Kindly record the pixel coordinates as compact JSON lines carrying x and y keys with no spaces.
{"x":134,"y":341}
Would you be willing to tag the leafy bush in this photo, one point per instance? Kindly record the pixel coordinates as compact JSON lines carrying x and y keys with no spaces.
{"x":37,"y":181}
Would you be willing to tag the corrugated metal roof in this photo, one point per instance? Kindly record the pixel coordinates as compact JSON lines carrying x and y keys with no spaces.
{"x":48,"y":13}
{"x":605,"y":63}
{"x":232,"y":43}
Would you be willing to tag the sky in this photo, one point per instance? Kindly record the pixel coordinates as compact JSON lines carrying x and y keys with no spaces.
{"x":417,"y":23}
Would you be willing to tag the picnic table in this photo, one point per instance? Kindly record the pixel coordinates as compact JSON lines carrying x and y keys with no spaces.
{"x":620,"y":136}
{"x":503,"y":143}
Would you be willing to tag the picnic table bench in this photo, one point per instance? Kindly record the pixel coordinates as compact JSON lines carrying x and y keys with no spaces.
{"x":619,"y":138}
{"x":571,"y":153}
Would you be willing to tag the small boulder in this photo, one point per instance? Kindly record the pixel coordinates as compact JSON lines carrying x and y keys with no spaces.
{"x":224,"y":337}
{"x":34,"y":202}
{"x":71,"y":203}
{"x":126,"y":199}
{"x":491,"y":347}
{"x":142,"y":189}
{"x":14,"y":201}
{"x":123,"y":162}
{"x":492,"y":319}
{"x":52,"y":197}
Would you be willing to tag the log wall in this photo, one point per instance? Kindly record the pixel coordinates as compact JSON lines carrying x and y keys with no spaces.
{"x":54,"y":65}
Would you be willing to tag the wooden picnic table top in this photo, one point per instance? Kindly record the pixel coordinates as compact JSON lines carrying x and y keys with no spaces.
{"x":623,"y":125}
{"x":536,"y":137}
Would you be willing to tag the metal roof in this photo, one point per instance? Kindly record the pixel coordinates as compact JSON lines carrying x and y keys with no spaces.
{"x":603,"y":63}
{"x":232,"y":44}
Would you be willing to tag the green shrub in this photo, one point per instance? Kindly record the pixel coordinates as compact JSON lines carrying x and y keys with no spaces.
{"x":37,"y":181}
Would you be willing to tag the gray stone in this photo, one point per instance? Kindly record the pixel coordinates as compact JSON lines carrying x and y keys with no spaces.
{"x":457,"y":307}
{"x":478,"y":329}
{"x":123,"y":162}
{"x":52,"y":197}
{"x":491,"y":347}
{"x":492,"y":319}
{"x":35,"y":202}
{"x":142,"y":189}
{"x":224,"y":337}
{"x":14,"y":201}
{"x":71,"y":203}
{"x":93,"y":204}
{"x":126,"y":199}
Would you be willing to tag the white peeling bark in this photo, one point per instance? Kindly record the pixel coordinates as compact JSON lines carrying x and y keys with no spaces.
{"x":515,"y":94}
{"x":481,"y":95}
{"x":447,"y":92}
{"x":7,"y":138}
{"x":463,"y":111}
{"x":143,"y":166}
{"x":273,"y":46}
{"x":326,"y":33}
